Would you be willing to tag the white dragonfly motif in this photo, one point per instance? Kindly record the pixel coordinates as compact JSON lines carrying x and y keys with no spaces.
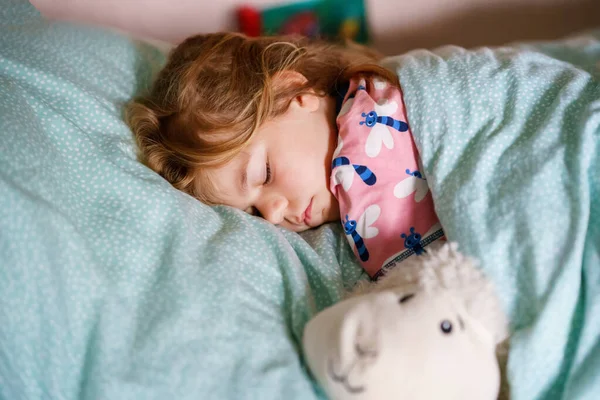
{"x":415,"y":183}
{"x":380,"y":133}
{"x":379,"y":84}
{"x":377,"y":120}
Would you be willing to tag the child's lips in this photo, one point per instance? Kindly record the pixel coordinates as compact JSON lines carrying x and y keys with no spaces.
{"x":307,"y":213}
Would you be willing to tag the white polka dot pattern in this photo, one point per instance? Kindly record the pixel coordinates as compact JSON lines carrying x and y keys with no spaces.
{"x":510,"y":141}
{"x":114,"y":285}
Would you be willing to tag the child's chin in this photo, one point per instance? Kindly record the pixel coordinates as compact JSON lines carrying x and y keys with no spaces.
{"x":299,"y":229}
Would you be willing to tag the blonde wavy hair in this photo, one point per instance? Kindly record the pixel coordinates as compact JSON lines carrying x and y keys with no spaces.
{"x":217,"y":89}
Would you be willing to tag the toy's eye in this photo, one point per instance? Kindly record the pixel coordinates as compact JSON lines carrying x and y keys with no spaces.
{"x":446,"y":326}
{"x":406,"y":298}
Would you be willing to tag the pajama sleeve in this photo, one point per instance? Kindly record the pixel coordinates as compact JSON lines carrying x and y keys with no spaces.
{"x":386,"y":207}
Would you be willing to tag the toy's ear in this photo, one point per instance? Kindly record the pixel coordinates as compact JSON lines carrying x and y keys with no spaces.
{"x":359,"y":336}
{"x":480,"y":330}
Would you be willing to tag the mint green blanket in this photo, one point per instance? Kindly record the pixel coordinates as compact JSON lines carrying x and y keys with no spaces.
{"x":510,"y":141}
{"x":115,"y":286}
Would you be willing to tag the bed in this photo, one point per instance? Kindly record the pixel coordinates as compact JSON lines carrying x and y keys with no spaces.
{"x":116,"y":286}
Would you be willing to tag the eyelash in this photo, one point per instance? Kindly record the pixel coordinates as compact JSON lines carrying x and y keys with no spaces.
{"x":268,"y":177}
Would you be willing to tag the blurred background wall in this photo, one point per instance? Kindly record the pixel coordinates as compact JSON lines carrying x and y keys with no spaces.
{"x":395,"y":25}
{"x":429,"y":23}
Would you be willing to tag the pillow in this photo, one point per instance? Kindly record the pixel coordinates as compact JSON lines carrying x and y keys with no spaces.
{"x":114,"y":285}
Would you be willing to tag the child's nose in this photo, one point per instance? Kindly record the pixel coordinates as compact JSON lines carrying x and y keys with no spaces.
{"x":273,"y":209}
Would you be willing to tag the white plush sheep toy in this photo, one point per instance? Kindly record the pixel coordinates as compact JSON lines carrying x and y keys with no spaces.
{"x":429,"y":329}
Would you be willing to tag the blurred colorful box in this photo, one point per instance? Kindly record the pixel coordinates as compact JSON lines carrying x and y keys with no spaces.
{"x":330,"y":19}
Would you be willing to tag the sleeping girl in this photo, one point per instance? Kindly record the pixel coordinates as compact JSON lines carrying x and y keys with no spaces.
{"x":296,"y":131}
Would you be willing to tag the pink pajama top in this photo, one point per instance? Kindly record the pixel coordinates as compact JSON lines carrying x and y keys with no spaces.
{"x":385,"y":204}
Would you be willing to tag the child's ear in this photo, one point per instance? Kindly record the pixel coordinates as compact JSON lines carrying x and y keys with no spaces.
{"x":308,"y":100}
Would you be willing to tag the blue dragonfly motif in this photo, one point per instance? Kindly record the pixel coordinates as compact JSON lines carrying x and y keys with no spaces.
{"x":365,"y":174}
{"x":361,"y":229}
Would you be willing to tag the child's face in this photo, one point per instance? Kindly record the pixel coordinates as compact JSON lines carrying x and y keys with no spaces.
{"x":286,"y":167}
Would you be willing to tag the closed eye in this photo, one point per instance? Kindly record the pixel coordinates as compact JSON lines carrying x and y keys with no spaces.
{"x":267,"y":174}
